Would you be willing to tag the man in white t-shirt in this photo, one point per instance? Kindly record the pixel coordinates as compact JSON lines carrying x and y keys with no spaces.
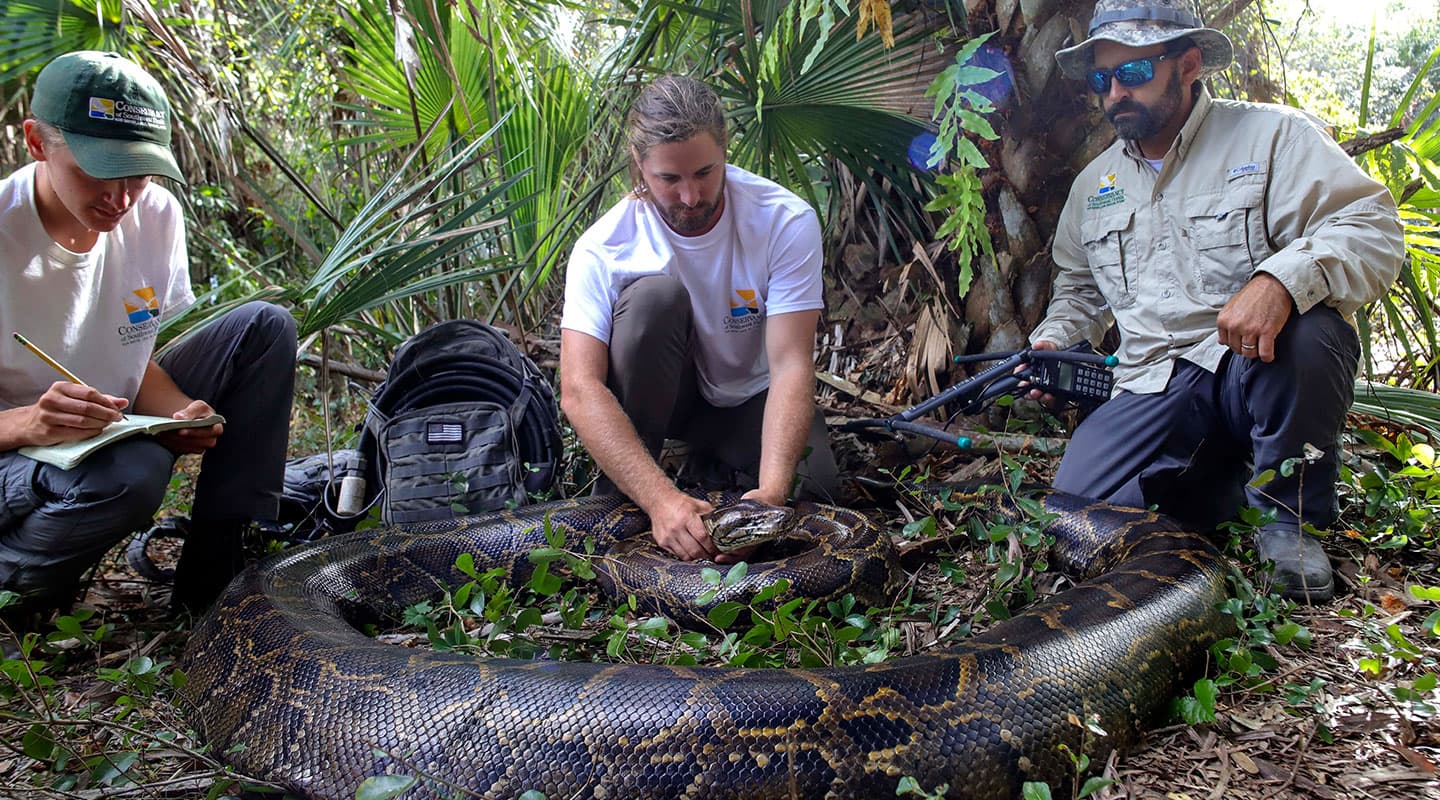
{"x":92,"y":260}
{"x":690,"y":312}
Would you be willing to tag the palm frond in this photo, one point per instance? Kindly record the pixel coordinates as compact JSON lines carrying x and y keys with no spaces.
{"x":1400,"y":405}
{"x":415,"y":234}
{"x":36,"y":31}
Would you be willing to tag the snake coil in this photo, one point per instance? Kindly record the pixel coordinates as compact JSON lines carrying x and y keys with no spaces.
{"x":281,"y":683}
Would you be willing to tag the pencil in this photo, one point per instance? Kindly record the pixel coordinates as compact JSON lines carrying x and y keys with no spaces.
{"x":56,"y":365}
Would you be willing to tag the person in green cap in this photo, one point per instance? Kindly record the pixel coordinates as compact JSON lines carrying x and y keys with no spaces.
{"x":1231,"y":244}
{"x":92,"y":261}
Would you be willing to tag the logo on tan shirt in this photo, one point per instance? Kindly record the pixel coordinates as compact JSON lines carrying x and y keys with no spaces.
{"x":1106,"y":195}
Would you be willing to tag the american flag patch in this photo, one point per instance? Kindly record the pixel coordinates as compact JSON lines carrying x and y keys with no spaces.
{"x":443,"y":432}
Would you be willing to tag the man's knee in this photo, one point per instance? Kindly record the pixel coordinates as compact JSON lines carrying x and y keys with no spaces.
{"x":1311,"y":381}
{"x":1320,"y":336}
{"x":122,"y":491}
{"x":652,"y":326}
{"x":654,"y":295}
{"x":272,"y":323}
{"x":83,"y":512}
{"x":1131,"y":435}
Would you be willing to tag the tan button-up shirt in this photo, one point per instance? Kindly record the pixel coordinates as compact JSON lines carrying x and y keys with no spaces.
{"x":1245,"y":188}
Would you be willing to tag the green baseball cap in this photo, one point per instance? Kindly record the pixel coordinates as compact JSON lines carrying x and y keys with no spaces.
{"x":114,"y":116}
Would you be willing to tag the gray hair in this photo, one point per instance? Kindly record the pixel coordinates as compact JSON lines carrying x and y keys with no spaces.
{"x":673,"y":109}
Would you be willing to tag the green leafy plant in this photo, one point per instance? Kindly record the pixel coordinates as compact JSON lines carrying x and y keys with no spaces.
{"x":35,"y":31}
{"x":1410,"y":167}
{"x":1395,"y":504}
{"x":1079,"y":762}
{"x":796,"y":632}
{"x":817,"y":106}
{"x":486,"y":615}
{"x":1243,"y":660}
{"x":1413,"y":667}
{"x":908,"y":786}
{"x":960,"y":111}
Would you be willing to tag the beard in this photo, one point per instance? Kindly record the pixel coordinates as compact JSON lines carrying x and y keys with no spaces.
{"x":691,"y":220}
{"x":1142,"y":121}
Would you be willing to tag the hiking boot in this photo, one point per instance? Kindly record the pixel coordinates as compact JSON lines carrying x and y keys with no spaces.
{"x":24,"y":617}
{"x":1302,"y":570}
{"x":213,"y":554}
{"x":13,"y":631}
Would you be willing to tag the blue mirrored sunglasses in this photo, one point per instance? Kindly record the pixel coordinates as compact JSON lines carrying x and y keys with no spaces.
{"x":1130,"y":74}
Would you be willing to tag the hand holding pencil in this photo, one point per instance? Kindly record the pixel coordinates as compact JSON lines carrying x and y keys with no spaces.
{"x":70,"y":410}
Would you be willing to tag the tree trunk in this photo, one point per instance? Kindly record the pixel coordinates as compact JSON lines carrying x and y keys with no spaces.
{"x":1049,"y":129}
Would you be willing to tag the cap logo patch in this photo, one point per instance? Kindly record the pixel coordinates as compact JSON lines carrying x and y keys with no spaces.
{"x":128,"y":113}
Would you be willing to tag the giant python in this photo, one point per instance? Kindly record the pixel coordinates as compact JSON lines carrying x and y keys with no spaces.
{"x":283,"y":686}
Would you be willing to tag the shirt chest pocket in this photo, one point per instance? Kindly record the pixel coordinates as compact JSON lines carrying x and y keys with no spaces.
{"x":1222,"y":228}
{"x":1108,"y":240}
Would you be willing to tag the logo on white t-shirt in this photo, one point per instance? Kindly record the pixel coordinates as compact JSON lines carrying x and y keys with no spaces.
{"x":744,"y":311}
{"x":147,"y":309}
{"x":143,"y":316}
{"x":747,"y":304}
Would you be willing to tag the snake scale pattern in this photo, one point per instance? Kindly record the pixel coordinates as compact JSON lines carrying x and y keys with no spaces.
{"x":285,"y":688}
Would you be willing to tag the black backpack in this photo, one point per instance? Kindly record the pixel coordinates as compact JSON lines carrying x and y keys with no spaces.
{"x":464,"y":423}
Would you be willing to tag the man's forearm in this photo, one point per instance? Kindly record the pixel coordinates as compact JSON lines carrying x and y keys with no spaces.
{"x":158,"y":395}
{"x":611,"y":438}
{"x":14,"y":429}
{"x":789,"y":411}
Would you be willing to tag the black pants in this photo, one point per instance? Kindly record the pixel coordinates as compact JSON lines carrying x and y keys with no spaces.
{"x":1192,"y":449}
{"x":55,"y":523}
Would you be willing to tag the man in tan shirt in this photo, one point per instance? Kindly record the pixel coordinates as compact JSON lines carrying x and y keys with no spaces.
{"x":1231,"y":244}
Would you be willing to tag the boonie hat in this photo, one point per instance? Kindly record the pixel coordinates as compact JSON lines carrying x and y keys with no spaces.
{"x":113,"y":114}
{"x":1141,"y":23}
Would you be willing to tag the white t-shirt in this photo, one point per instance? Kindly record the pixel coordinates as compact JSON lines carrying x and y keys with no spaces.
{"x":97,"y":312}
{"x":762,"y":258}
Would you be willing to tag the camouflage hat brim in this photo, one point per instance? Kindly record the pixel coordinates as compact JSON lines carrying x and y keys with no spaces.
{"x":1215,"y":47}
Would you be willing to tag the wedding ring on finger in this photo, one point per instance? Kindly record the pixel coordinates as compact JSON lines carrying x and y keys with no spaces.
{"x":1247,"y":347}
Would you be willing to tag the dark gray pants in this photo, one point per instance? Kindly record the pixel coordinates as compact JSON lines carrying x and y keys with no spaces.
{"x":55,"y":523}
{"x":652,"y":374}
{"x":1190,"y":450}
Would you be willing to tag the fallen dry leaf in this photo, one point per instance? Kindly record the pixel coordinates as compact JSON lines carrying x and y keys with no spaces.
{"x":1245,"y":762}
{"x":1416,"y":759}
{"x":1392,"y":603}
